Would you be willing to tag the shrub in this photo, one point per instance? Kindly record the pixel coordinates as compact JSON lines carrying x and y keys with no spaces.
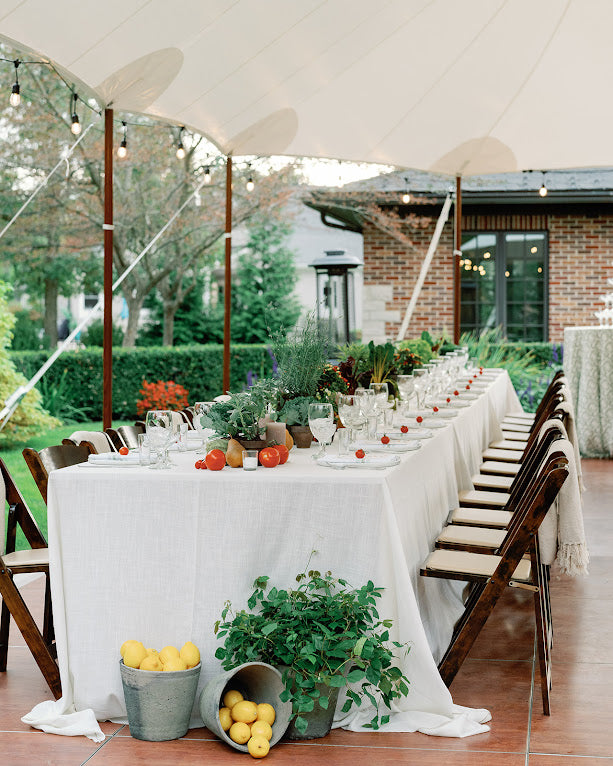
{"x":163,"y":395}
{"x":199,"y":369}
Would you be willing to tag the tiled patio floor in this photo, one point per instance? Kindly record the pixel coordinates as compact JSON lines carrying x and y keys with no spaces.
{"x":499,"y":675}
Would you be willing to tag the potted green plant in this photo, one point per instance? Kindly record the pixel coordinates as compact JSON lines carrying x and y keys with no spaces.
{"x":240,"y":417}
{"x":326,"y":636}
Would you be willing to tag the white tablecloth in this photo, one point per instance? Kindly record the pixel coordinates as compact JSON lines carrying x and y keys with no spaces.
{"x":588,"y":365}
{"x":153,"y":555}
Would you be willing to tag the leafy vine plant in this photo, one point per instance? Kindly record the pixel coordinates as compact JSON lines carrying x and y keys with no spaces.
{"x":323,"y":634}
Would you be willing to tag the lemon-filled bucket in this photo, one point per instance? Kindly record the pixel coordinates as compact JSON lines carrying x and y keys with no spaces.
{"x":159,"y":703}
{"x":257,"y":682}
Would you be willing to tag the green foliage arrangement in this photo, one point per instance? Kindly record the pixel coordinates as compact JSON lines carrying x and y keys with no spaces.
{"x":301,"y":358}
{"x":322,"y":631}
{"x":240,"y":415}
{"x":199,"y":369}
{"x":418,"y":346}
{"x":295,"y":412}
{"x":29,"y":417}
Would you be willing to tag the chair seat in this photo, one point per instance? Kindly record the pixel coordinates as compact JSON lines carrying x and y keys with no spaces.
{"x":472,"y":497}
{"x":31,"y":557}
{"x":511,"y":444}
{"x":483,"y":537}
{"x":481,"y":517}
{"x":473,"y":564}
{"x":511,"y":425}
{"x":492,"y":481}
{"x":500,"y":468}
{"x":515,"y":436}
{"x":525,"y":417}
{"x":504,"y":455}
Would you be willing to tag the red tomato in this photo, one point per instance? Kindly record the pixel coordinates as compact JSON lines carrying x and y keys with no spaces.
{"x":385,"y":439}
{"x":404,"y":429}
{"x":468,"y":388}
{"x":448,"y":399}
{"x":198,"y":464}
{"x":419,"y":419}
{"x":269,"y":457}
{"x":283,"y":453}
{"x":360,"y":454}
{"x":215,"y":460}
{"x":456,"y":393}
{"x":123,"y":450}
{"x":435,"y":409}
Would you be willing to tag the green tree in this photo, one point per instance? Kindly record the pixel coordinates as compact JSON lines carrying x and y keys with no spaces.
{"x":29,"y":417}
{"x":263,"y":298}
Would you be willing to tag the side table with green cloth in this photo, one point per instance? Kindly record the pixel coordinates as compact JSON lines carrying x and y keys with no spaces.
{"x":588,"y":364}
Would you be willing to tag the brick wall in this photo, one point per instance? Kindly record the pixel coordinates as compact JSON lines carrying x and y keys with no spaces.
{"x":580,"y":256}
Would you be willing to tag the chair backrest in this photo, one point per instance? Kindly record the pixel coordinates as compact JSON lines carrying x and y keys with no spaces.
{"x":129,"y":435}
{"x":99,"y":440}
{"x":42,"y":462}
{"x":19,"y":515}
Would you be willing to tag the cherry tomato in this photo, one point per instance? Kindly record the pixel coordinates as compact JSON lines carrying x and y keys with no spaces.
{"x":360,"y":454}
{"x":456,"y":393}
{"x":404,"y":429}
{"x":419,"y":419}
{"x":123,"y":450}
{"x":468,"y":388}
{"x":448,"y":399}
{"x":198,"y":464}
{"x":385,"y":439}
{"x":269,"y":457}
{"x":283,"y":453}
{"x":435,"y":409}
{"x":215,"y":460}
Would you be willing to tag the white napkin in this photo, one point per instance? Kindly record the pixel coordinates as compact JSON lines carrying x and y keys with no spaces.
{"x":395,"y":446}
{"x":348,"y":461}
{"x":463,"y":722}
{"x":114,"y":458}
{"x":414,"y":433}
{"x":50,"y":716}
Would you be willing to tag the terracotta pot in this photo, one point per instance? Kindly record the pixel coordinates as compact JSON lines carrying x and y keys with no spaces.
{"x":302,"y":436}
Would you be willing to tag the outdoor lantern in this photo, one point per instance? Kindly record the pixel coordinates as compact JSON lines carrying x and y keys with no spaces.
{"x":335,"y":293}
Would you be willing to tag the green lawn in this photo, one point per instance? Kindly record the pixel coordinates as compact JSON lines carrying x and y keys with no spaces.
{"x":21,"y":473}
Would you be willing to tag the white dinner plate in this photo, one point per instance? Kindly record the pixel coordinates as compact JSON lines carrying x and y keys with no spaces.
{"x":393,"y":446}
{"x":413,"y":433}
{"x":371,"y":462}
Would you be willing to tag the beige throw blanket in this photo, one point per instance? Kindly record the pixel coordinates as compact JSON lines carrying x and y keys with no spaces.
{"x":561,"y":534}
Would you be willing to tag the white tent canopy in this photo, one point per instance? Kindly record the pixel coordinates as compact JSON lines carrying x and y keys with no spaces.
{"x":466,"y":87}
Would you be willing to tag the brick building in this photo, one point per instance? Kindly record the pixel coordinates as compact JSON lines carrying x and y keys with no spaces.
{"x":531,"y":264}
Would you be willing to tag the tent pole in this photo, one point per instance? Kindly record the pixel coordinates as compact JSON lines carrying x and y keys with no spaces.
{"x":107,"y":355}
{"x":227,"y":294}
{"x":457,"y":254}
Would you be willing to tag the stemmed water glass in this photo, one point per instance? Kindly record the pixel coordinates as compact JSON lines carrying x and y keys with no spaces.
{"x":381,"y":395}
{"x":159,"y":427}
{"x":350,"y":413}
{"x":322,"y":425}
{"x":421,"y":386}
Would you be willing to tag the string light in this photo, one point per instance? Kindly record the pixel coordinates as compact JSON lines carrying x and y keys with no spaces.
{"x":180,"y":147}
{"x":15,"y":98}
{"x":543,"y":190}
{"x":406,"y":198}
{"x":250,"y":186}
{"x":123,"y":146}
{"x":207,"y":176}
{"x":75,"y":127}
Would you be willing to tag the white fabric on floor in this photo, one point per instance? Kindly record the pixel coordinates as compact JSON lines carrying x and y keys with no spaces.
{"x":153,"y":555}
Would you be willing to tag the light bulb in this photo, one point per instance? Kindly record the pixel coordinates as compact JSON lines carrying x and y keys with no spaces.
{"x":15,"y":98}
{"x":207,"y":176}
{"x":75,"y":128}
{"x":180,"y":152}
{"x":406,"y":198}
{"x":543,"y":191}
{"x":123,"y":149}
{"x":250,"y":186}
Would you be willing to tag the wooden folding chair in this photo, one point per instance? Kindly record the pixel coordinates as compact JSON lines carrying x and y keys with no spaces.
{"x":12,"y":562}
{"x":51,"y":458}
{"x":490,"y":574}
{"x":98,"y":441}
{"x":125,"y":436}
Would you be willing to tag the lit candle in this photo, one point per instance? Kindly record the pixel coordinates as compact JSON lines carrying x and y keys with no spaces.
{"x":250,"y":459}
{"x":275,"y":433}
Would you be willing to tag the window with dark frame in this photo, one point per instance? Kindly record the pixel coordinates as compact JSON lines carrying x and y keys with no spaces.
{"x":504,"y":283}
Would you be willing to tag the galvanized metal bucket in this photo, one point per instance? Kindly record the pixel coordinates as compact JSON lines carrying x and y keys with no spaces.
{"x":159,"y":703}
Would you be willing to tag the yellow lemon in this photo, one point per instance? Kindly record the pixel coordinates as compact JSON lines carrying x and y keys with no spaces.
{"x":191,"y":654}
{"x":126,"y":644}
{"x":225,"y":719}
{"x":174,"y":663}
{"x":168,"y":652}
{"x":261,"y":729}
{"x":134,"y":654}
{"x":266,"y":713}
{"x":244,"y":711}
{"x":258,"y":747}
{"x":151,"y":662}
{"x":230,"y":698}
{"x":152,"y":651}
{"x":239,"y":733}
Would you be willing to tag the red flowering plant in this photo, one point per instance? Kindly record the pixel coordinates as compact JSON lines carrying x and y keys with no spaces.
{"x":163,"y":395}
{"x":331,"y":383}
{"x":405,"y":361}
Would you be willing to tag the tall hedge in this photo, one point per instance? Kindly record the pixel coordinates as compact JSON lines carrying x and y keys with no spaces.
{"x":198,"y":368}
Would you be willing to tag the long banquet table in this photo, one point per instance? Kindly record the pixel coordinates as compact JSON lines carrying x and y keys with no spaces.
{"x":153,"y":555}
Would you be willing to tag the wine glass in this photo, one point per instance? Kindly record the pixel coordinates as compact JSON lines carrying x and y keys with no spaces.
{"x":322,"y":425}
{"x":367,"y":400}
{"x":350,"y":413}
{"x":201,"y":409}
{"x":421,"y":385}
{"x":159,"y":427}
